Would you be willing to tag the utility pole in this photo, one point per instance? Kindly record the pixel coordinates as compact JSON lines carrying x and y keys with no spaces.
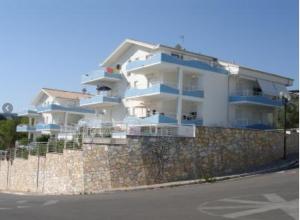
{"x":285,"y":99}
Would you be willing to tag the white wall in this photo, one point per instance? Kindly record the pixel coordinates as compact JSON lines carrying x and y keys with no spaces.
{"x":215,"y":99}
{"x":253,"y":113}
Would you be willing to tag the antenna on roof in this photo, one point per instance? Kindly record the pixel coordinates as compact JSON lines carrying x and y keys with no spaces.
{"x":182,"y":39}
{"x":180,"y":46}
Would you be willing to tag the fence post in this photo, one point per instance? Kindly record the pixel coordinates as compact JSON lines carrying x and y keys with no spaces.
{"x":38,"y":168}
{"x":15,"y":153}
{"x":47,"y":148}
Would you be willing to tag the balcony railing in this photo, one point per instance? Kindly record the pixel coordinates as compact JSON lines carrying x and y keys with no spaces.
{"x":29,"y":113}
{"x":25,"y":128}
{"x":254,"y":124}
{"x":100,"y":99}
{"x":121,"y":130}
{"x":193,"y":93}
{"x":98,"y":75}
{"x":253,"y":97}
{"x":55,"y":107}
{"x":165,"y":118}
{"x":159,"y":58}
{"x":188,"y":90}
{"x":48,"y":127}
{"x":154,"y":89}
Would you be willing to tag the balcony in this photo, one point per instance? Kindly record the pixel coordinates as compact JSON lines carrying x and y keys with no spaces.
{"x":192,"y":91}
{"x":164,"y":118}
{"x":254,"y":98}
{"x":196,"y":121}
{"x":158,"y":90}
{"x":94,"y":77}
{"x":29,"y":113}
{"x":100,"y":101}
{"x":60,"y":108}
{"x":251,"y":124}
{"x":25,"y":128}
{"x":159,"y":119}
{"x":47,"y":127}
{"x":160,"y":58}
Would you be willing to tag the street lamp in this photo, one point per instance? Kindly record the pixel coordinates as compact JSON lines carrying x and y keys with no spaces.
{"x":285,"y":99}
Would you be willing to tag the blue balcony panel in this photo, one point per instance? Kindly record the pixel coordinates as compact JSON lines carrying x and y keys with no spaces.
{"x":100,"y":100}
{"x":131,"y":120}
{"x":257,"y":126}
{"x":256,"y":100}
{"x":197,"y":122}
{"x":195,"y":93}
{"x":153,"y":90}
{"x":29,"y":113}
{"x":159,"y":119}
{"x":25,"y":128}
{"x":159,"y":58}
{"x":98,"y":75}
{"x":55,"y":107}
{"x":47,"y":127}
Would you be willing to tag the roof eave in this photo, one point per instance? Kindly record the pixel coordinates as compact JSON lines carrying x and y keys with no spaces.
{"x":126,"y":41}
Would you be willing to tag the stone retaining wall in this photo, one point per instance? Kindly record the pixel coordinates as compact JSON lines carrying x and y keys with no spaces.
{"x":214,"y":151}
{"x":55,"y":173}
{"x":105,"y":164}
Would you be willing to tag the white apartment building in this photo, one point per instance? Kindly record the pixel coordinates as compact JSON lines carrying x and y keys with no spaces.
{"x":152,"y":84}
{"x":54,"y":112}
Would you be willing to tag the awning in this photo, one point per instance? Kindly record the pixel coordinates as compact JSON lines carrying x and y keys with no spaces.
{"x":271,"y":88}
{"x":281,"y":88}
{"x":267,"y":87}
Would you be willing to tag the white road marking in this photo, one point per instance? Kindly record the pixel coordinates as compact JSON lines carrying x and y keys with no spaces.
{"x":274,"y":197}
{"x":23,"y":206}
{"x":274,"y":202}
{"x":244,"y":201}
{"x":232,"y":207}
{"x":283,"y":206}
{"x":21,"y":201}
{"x":2,"y":208}
{"x":50,"y":202}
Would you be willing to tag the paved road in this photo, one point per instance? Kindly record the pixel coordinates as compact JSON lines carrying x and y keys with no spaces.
{"x":270,"y":196}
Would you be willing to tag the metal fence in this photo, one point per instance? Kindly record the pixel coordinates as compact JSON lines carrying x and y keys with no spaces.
{"x":122,"y":130}
{"x":116,"y":130}
{"x":40,"y":149}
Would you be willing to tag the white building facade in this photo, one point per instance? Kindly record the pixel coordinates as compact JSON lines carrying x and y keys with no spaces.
{"x":147,"y":84}
{"x":54,"y":113}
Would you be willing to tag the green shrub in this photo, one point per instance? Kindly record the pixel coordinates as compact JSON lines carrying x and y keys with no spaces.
{"x":43,"y":138}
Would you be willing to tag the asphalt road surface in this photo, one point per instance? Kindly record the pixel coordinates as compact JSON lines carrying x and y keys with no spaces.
{"x":269,"y":196}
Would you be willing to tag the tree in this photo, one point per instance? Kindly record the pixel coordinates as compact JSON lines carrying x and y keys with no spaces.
{"x":8,"y":134}
{"x":292,"y":113}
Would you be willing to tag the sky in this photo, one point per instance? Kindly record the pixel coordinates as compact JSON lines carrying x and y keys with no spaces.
{"x":51,"y":43}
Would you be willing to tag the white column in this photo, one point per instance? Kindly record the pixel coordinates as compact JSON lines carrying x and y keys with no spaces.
{"x":65,"y":125}
{"x":29,"y":125}
{"x":66,"y":119}
{"x":179,"y":99}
